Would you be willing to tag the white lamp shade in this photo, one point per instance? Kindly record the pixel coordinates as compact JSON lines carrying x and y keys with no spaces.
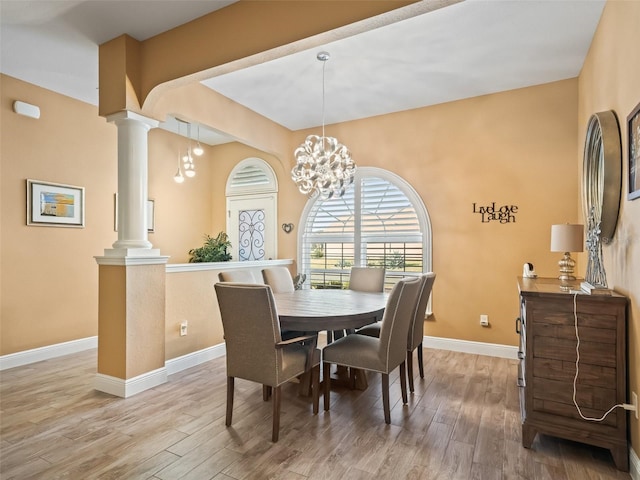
{"x":567,"y":238}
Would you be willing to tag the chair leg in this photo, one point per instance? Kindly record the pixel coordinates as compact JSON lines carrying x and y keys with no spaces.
{"x":420,"y":362}
{"x":352,"y":378}
{"x":266,"y":392}
{"x":403,"y":383}
{"x":276,"y":414}
{"x":229,"y":400}
{"x":410,"y":370}
{"x":315,"y":388}
{"x":385,"y":398}
{"x":326,"y":380}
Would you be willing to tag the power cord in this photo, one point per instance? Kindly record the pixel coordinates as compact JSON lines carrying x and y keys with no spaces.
{"x":626,"y":406}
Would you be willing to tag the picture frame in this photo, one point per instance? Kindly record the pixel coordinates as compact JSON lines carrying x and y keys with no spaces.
{"x":151,"y":214}
{"x":633,"y":129}
{"x":54,"y":204}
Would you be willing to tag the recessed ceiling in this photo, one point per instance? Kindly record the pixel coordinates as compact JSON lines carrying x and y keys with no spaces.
{"x":463,"y":50}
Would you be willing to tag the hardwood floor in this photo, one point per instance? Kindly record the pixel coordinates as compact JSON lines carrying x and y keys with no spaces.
{"x":462,"y":422}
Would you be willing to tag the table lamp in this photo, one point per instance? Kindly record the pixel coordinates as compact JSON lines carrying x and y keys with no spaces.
{"x":567,"y":238}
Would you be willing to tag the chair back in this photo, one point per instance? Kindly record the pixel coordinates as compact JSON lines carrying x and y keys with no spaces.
{"x":416,"y":332}
{"x":251,"y":330}
{"x":398,"y":315}
{"x":367,"y":279}
{"x":279,"y":279}
{"x":238,"y":276}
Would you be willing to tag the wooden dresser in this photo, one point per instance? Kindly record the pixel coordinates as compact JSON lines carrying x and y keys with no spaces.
{"x":547,"y":366}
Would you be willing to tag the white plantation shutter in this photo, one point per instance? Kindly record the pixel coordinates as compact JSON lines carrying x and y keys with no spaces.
{"x":249,"y":176}
{"x":387,"y":215}
{"x":379,"y":221}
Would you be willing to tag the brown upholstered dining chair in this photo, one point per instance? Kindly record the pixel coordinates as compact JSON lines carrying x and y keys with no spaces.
{"x":416,"y":332}
{"x":383,"y":354}
{"x":279,"y":279}
{"x":367,"y":279}
{"x":255,"y":349}
{"x":361,"y":279}
{"x":238,"y":276}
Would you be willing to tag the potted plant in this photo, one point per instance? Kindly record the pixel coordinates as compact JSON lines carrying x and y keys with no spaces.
{"x":213,"y":250}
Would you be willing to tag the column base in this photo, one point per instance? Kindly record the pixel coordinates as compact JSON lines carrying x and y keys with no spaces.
{"x":127,"y":388}
{"x":131,"y":256}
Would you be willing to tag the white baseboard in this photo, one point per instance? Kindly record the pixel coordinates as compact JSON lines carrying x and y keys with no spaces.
{"x":45,"y":353}
{"x":634,"y":465}
{"x":127,"y":388}
{"x":466,"y":346}
{"x":193,"y":359}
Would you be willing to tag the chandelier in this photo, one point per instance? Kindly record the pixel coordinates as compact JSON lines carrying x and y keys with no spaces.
{"x":187,"y":165}
{"x":324,"y":167}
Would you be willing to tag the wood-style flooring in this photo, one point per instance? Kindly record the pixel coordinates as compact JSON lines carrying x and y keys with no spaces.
{"x":462,"y":422}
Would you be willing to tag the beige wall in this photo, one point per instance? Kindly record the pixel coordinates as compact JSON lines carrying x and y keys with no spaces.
{"x":182,"y":211}
{"x":609,"y":81}
{"x":49,"y":277}
{"x":513,"y":148}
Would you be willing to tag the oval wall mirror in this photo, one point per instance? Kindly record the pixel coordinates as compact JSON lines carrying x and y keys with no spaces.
{"x":602,"y":173}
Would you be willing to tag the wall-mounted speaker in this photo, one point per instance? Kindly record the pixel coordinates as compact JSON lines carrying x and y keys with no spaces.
{"x":26,"y":109}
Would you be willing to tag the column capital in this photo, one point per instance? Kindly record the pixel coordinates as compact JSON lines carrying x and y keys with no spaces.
{"x":125,"y":115}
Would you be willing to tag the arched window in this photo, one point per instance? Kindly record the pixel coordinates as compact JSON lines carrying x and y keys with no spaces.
{"x":380,"y":221}
{"x":252,"y":210}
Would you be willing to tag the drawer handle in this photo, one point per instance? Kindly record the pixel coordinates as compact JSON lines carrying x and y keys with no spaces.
{"x":520,"y":355}
{"x":518,"y":325}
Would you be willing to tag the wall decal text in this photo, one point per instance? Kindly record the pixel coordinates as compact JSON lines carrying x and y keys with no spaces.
{"x":490,"y":213}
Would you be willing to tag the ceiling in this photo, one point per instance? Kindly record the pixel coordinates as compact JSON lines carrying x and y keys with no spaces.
{"x":465,"y":49}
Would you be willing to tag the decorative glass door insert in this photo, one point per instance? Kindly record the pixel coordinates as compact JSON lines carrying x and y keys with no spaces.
{"x":251,"y":230}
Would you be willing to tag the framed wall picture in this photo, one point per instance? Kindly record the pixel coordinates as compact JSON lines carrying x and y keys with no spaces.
{"x":151,"y":214}
{"x":633,"y":123}
{"x":54,"y":204}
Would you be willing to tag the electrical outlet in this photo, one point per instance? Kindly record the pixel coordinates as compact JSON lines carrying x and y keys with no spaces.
{"x":634,"y":401}
{"x":183,"y":328}
{"x":484,"y":320}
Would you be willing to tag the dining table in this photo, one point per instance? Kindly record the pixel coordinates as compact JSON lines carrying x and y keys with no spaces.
{"x":316,"y":310}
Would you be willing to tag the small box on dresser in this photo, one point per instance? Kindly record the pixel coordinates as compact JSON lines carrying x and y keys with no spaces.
{"x":548,"y":365}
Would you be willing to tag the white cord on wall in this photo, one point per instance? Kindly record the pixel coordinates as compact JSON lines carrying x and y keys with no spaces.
{"x":626,"y":406}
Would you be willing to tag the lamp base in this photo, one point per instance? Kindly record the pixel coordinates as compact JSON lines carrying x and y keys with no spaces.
{"x":566,"y":278}
{"x":566,"y":264}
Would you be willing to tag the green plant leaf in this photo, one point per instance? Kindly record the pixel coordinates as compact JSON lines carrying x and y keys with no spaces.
{"x":213,"y":250}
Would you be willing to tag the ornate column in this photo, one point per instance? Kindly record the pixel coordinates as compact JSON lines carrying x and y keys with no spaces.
{"x":131,"y":298}
{"x":133,"y":175}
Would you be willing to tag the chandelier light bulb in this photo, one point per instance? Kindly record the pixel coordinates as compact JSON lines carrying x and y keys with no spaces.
{"x":189,"y":170}
{"x":187,"y":158}
{"x":198,"y":150}
{"x":178,"y":178}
